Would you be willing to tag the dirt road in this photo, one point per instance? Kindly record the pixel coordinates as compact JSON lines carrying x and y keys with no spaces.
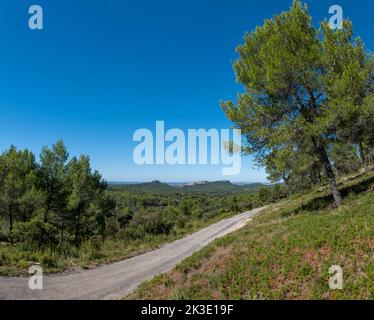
{"x":116,"y":280}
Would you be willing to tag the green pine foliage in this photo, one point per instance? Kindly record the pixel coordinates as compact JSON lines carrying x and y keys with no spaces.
{"x":305,"y":89}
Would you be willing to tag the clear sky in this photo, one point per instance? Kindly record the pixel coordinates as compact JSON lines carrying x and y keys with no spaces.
{"x":102,"y":69}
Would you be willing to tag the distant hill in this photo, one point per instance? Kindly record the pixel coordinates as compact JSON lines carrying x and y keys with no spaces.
{"x":195,"y":187}
{"x":148,"y":187}
{"x":217,"y":187}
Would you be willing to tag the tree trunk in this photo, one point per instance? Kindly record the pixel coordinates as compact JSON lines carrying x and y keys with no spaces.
{"x":10,"y":223}
{"x":363,"y":157}
{"x":46,"y":212}
{"x":62,"y":232}
{"x":77,"y":234}
{"x":286,"y":182}
{"x":319,"y":178}
{"x":325,"y":161}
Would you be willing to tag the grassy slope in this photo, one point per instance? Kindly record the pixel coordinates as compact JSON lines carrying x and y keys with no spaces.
{"x":284,"y":253}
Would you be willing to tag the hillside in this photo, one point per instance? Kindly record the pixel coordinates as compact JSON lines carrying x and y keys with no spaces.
{"x":197,"y":187}
{"x":147,"y":187}
{"x":284,"y":253}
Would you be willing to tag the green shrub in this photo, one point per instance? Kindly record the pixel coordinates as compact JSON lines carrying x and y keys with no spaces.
{"x":152,"y":222}
{"x":4,"y":230}
{"x":96,"y":242}
{"x":34,"y":232}
{"x":112,"y":227}
{"x":3,"y":258}
{"x":48,"y":260}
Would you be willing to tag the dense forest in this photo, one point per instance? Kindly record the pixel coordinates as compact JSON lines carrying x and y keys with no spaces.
{"x":53,"y":200}
{"x":307,"y":111}
{"x":56,"y":201}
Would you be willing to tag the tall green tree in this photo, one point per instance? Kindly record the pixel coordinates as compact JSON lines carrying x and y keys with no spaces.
{"x":52,"y":176}
{"x":285,"y":73}
{"x":103,"y":208}
{"x":17,"y":178}
{"x":83,"y":186}
{"x":349,"y":84}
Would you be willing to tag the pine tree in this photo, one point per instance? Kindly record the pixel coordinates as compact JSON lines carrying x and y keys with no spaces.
{"x":285,"y":70}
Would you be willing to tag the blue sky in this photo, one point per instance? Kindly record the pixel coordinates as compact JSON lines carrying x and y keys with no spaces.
{"x":102,"y":69}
